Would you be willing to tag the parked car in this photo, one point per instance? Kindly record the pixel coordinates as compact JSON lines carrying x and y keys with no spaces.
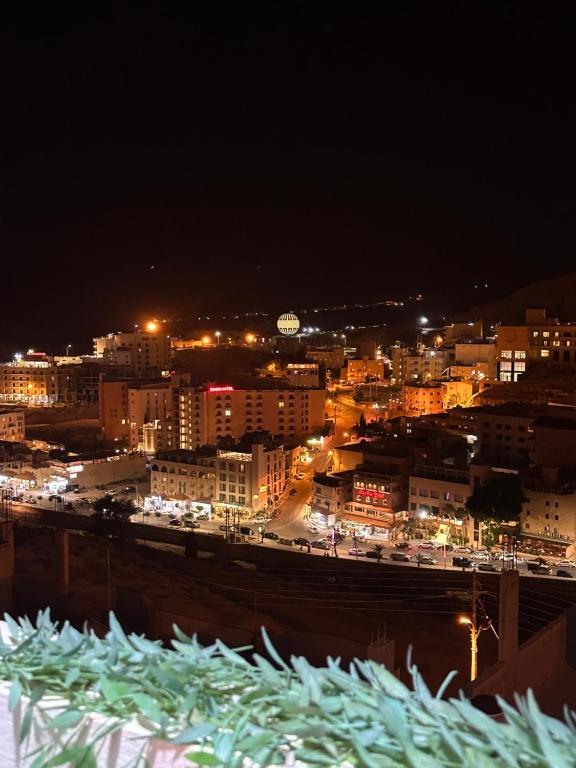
{"x":320,"y":544}
{"x":203,"y":516}
{"x":301,"y":541}
{"x":565,"y":564}
{"x":287,"y":542}
{"x":425,"y":559}
{"x":535,"y":567}
{"x":176,"y":523}
{"x":566,"y":574}
{"x":426,"y":545}
{"x":463,"y":562}
{"x":467,"y":550}
{"x":372,"y":554}
{"x":225,"y":527}
{"x":480,"y":555}
{"x":403,"y":545}
{"x":487,"y":567}
{"x":355,"y":552}
{"x":192,"y":524}
{"x":401,"y":557}
{"x":69,"y":505}
{"x":271,"y":535}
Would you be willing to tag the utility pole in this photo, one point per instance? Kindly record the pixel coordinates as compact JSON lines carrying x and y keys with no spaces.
{"x":475,"y":630}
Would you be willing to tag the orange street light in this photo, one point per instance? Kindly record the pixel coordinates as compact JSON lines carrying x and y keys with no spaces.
{"x":250,"y":338}
{"x":206,"y":340}
{"x":151,"y":326}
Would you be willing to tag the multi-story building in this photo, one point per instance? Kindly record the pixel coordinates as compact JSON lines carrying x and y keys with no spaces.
{"x":135,"y":412}
{"x":540,"y":341}
{"x":549,"y":510}
{"x":474,"y":360}
{"x":331,"y":357}
{"x":437,"y":489}
{"x":330,"y":494}
{"x":423,"y":365}
{"x":12,"y":425}
{"x":359,"y":371}
{"x":303,"y":374}
{"x":458,"y":332}
{"x":506,"y":434}
{"x":249,"y":476}
{"x":203,"y":415}
{"x":146,"y":353}
{"x":422,"y":399}
{"x":379,"y":497}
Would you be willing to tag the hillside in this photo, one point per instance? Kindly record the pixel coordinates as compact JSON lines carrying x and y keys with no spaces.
{"x":558,"y":294}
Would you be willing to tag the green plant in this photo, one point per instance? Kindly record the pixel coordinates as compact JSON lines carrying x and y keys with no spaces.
{"x":236,"y":712}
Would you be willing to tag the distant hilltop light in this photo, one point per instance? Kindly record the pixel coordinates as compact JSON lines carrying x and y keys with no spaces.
{"x":288,"y":324}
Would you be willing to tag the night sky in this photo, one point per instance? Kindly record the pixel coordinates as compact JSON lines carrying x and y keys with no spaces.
{"x":272,"y":155}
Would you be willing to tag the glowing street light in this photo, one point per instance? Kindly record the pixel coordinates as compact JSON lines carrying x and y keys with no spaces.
{"x":217,"y":334}
{"x":206,"y":340}
{"x":151,"y":326}
{"x":250,"y":338}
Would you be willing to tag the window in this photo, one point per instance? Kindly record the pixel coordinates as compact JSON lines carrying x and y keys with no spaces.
{"x":434,"y":494}
{"x":423,"y":492}
{"x":546,"y":334}
{"x":506,"y":354}
{"x":519,"y":354}
{"x":505,"y":366}
{"x":544,"y":353}
{"x":413,"y":491}
{"x":520,"y":367}
{"x":458,"y":497}
{"x":556,"y":517}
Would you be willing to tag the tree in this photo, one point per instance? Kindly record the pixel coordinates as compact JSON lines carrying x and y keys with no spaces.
{"x":499,"y":500}
{"x":109,"y":508}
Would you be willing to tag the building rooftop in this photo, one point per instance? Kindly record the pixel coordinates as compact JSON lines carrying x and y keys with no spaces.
{"x":336,"y":480}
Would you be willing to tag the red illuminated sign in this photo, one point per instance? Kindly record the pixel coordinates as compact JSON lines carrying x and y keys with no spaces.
{"x":221,"y":389}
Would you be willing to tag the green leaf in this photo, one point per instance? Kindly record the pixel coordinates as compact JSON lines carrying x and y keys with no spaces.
{"x":67,"y":719}
{"x":78,"y":757}
{"x":148,"y":707}
{"x":26,"y":723}
{"x":112,"y":690}
{"x":203,"y":758}
{"x":195,"y":732}
{"x":14,"y":695}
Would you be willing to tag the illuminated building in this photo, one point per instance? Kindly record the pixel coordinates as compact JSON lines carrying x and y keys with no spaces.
{"x":357,"y":371}
{"x":303,"y":374}
{"x":12,"y":425}
{"x":378,"y":497}
{"x":421,"y":399}
{"x":134,"y":412}
{"x":202,"y":415}
{"x":540,"y":341}
{"x":249,"y":476}
{"x":146,"y":353}
{"x":424,"y":365}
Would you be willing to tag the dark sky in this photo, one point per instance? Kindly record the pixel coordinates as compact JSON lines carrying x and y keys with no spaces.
{"x":264,"y":155}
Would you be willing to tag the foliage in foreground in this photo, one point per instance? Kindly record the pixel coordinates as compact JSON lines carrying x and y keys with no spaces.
{"x":237,"y":713}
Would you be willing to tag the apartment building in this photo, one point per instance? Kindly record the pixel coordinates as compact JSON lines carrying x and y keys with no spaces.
{"x":331,"y":493}
{"x":331,"y":357}
{"x":378,"y":497}
{"x":303,"y":374}
{"x":135,"y":412}
{"x":474,"y":360}
{"x":249,"y":476}
{"x":422,"y":399}
{"x":203,"y":415}
{"x":541,"y":341}
{"x":437,"y":489}
{"x":359,"y":371}
{"x":12,"y":425}
{"x":146,"y":353}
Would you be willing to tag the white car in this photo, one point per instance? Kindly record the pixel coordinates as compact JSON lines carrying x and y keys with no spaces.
{"x":480,"y":555}
{"x":467,"y":550}
{"x":565,"y":564}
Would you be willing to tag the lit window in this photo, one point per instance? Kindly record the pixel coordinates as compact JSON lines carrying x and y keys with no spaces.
{"x":545,"y":334}
{"x":227,"y":412}
{"x":520,"y":354}
{"x":505,"y":366}
{"x":281,"y":404}
{"x":520,"y":367}
{"x":544,"y":353}
{"x":506,"y":354}
{"x":556,"y":343}
{"x":535,"y":333}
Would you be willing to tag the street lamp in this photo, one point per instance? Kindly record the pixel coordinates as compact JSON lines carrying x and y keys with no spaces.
{"x":217,"y":334}
{"x":68,"y":349}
